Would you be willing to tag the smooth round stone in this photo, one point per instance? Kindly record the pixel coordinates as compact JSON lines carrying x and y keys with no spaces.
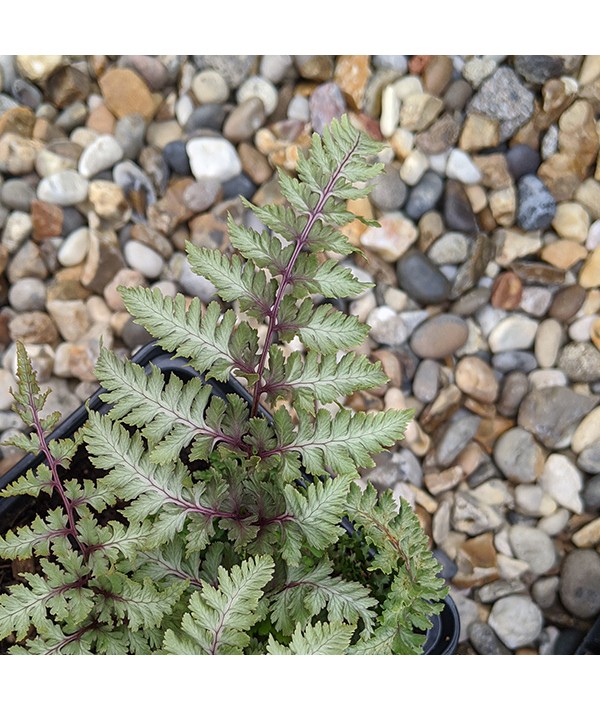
{"x":27,"y":294}
{"x":64,"y":188}
{"x":209,"y":116}
{"x":17,"y":194}
{"x":455,"y":437}
{"x":514,"y":388}
{"x":129,"y":134}
{"x":522,"y":160}
{"x":549,"y":145}
{"x":17,"y":229}
{"x":518,"y":456}
{"x":545,"y":590}
{"x":421,"y":279}
{"x":439,"y":336}
{"x":548,"y":339}
{"x":389,"y":191}
{"x":275,"y":67}
{"x":451,"y":248}
{"x":245,"y":119}
{"x":143,"y":259}
{"x":299,"y":109}
{"x":534,"y":547}
{"x":517,"y":620}
{"x":387,"y":326}
{"x":589,"y":276}
{"x":532,"y":501}
{"x":457,"y":95}
{"x":260,"y":88}
{"x":476,"y":379}
{"x":567,"y":302}
{"x":101,"y":154}
{"x":571,"y":221}
{"x":535,"y":300}
{"x":201,"y":195}
{"x":591,"y":493}
{"x":580,"y":362}
{"x":426,"y":382}
{"x":484,"y":639}
{"x":424,"y":196}
{"x":513,"y":333}
{"x":589,"y":459}
{"x":581,"y":329}
{"x":460,"y":167}
{"x":537,"y":206}
{"x":587,"y":432}
{"x":508,"y":361}
{"x":176,"y":156}
{"x":239,"y":185}
{"x":414,"y":167}
{"x":547,"y":377}
{"x":74,"y":248}
{"x":398,"y":62}
{"x":209,"y":87}
{"x":213,"y":158}
{"x":326,"y":103}
{"x":553,"y":413}
{"x":563,"y":482}
{"x":555,"y":523}
{"x":580,"y":583}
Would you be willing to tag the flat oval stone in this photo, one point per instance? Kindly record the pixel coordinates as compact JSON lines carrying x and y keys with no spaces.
{"x":455,"y":437}
{"x":101,"y":154}
{"x":534,"y":547}
{"x":74,"y":248}
{"x":439,"y":336}
{"x":64,"y":188}
{"x":213,"y":158}
{"x":567,"y":302}
{"x":580,"y":583}
{"x":563,"y":482}
{"x":421,"y":279}
{"x":425,"y":195}
{"x":587,"y":432}
{"x":547,"y":342}
{"x":519,"y":456}
{"x":513,"y":333}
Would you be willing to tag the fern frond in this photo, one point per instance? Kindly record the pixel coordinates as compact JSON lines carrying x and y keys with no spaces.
{"x":205,"y":340}
{"x":32,"y":483}
{"x":320,"y":638}
{"x":219,"y":618}
{"x":327,"y":278}
{"x":36,"y":538}
{"x":260,"y":248}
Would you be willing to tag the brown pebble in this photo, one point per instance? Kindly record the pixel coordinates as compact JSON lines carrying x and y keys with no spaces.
{"x":564,"y":253}
{"x":476,"y":378}
{"x":438,"y":74}
{"x":254,"y":164}
{"x":67,"y":85}
{"x":33,"y":327}
{"x":507,"y":291}
{"x":19,"y":120}
{"x":536,"y":273}
{"x":47,"y":220}
{"x":418,"y":62}
{"x":126,"y":93}
{"x":100,"y":119}
{"x":352,"y":73}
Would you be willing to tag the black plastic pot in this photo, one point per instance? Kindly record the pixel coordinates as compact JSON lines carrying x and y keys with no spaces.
{"x":442,"y":638}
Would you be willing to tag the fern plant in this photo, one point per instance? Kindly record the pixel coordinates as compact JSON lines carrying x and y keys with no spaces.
{"x":211,"y":528}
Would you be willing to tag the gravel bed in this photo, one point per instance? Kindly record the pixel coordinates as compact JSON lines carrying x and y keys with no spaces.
{"x":486,"y":309}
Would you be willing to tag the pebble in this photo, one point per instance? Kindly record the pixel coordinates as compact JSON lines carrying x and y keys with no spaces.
{"x":421,"y":279}
{"x":276,"y":67}
{"x":503,"y":97}
{"x":563,"y":253}
{"x":455,"y":437}
{"x":426,"y":381}
{"x":260,"y":88}
{"x":389,"y":191}
{"x":571,"y":221}
{"x":476,"y":379}
{"x":213,"y":158}
{"x":418,"y":111}
{"x":38,"y":67}
{"x":129,"y":133}
{"x":535,"y":300}
{"x":534,"y":547}
{"x":71,"y":318}
{"x":531,"y":500}
{"x":460,"y":167}
{"x":587,"y":432}
{"x":473,"y":517}
{"x":517,"y":620}
{"x":143,"y":259}
{"x":33,"y":327}
{"x":64,"y":188}
{"x":299,"y":109}
{"x":439,"y":337}
{"x":479,"y":131}
{"x":27,"y":294}
{"x":176,"y":157}
{"x":392,"y":238}
{"x":458,"y":213}
{"x":17,"y":229}
{"x":451,"y":248}
{"x":202,"y":194}
{"x":579,"y":587}
{"x":518,"y":456}
{"x":589,"y":276}
{"x":245,"y":119}
{"x":387,"y":327}
{"x":522,"y":160}
{"x":414,"y":167}
{"x":484,"y":639}
{"x":209,"y":87}
{"x":425,"y":195}
{"x":588,"y":536}
{"x":234,"y":68}
{"x":192,"y":284}
{"x":326,"y":103}
{"x":537,"y":206}
{"x":126,"y":93}
{"x":513,"y":333}
{"x":580,"y":362}
{"x":538,"y":68}
{"x":563,"y":482}
{"x":567,"y":302}
{"x":17,"y":194}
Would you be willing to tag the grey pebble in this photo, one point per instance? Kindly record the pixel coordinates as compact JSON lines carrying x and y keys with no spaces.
{"x":537,"y":206}
{"x":580,"y":362}
{"x":455,"y":437}
{"x":591,"y":492}
{"x":234,"y":68}
{"x":517,"y":620}
{"x":130,"y":132}
{"x":17,"y":194}
{"x":27,"y":294}
{"x":425,"y":195}
{"x":421,"y":279}
{"x":485,"y":640}
{"x":426,"y":382}
{"x":580,"y":583}
{"x":389,"y":190}
{"x":518,"y":456}
{"x":326,"y":103}
{"x":533,"y":546}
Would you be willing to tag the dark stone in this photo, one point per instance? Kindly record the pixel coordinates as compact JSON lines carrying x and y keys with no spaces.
{"x":134,"y":335}
{"x":567,"y":641}
{"x":591,"y":494}
{"x":522,"y":160}
{"x":470,"y":302}
{"x":538,"y":68}
{"x":176,"y":157}
{"x":238,"y":185}
{"x":449,"y":567}
{"x":567,"y":302}
{"x":481,"y":253}
{"x":538,"y":273}
{"x":210,"y":116}
{"x":579,"y":587}
{"x":421,"y":279}
{"x":537,"y":206}
{"x":424,"y":196}
{"x":457,"y":95}
{"x":484,"y":472}
{"x":484,"y":639}
{"x":458,"y":213}
{"x":67,"y":85}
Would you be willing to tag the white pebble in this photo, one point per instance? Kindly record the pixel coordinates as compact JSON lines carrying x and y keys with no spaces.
{"x":143,"y":259}
{"x":461,"y":167}
{"x":563,"y":481}
{"x":213,"y":158}
{"x":101,"y":154}
{"x":74,"y":248}
{"x":261,"y":88}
